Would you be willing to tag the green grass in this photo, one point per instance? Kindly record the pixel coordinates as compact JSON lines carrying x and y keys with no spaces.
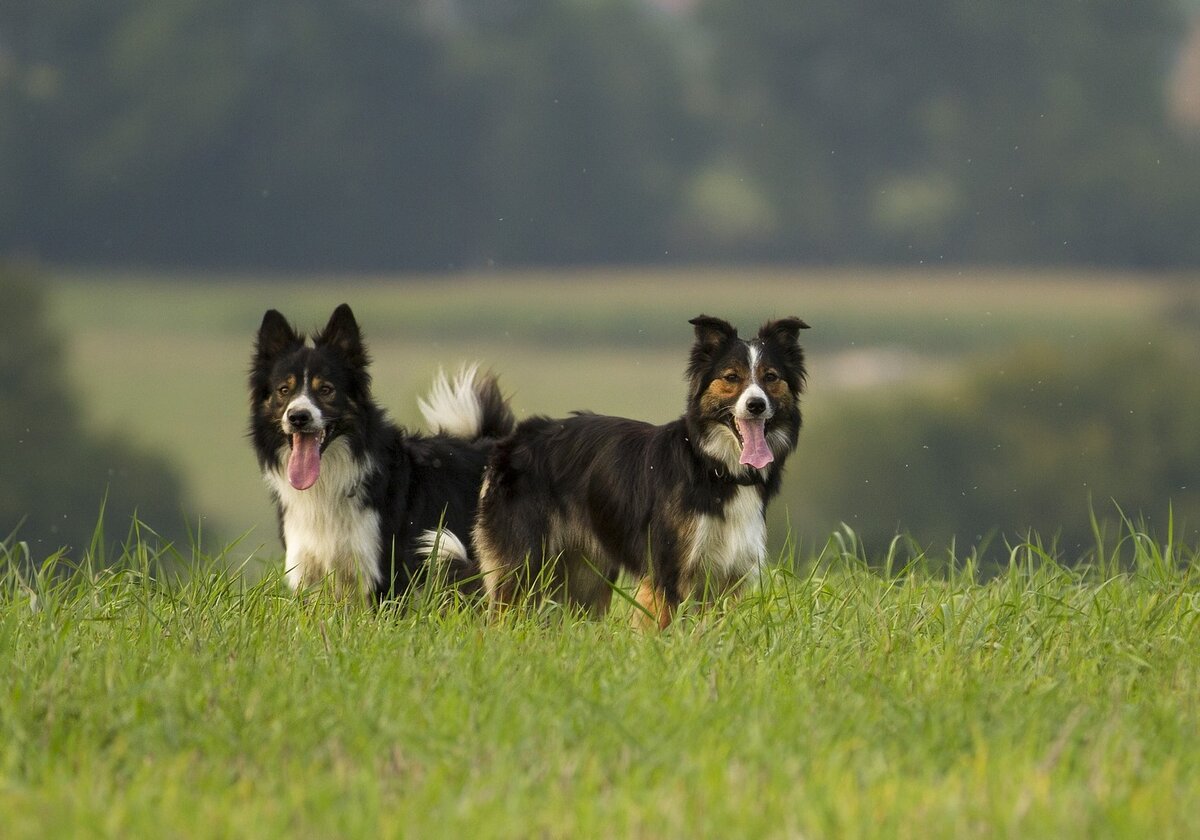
{"x":162,"y":358}
{"x":840,"y":700}
{"x":845,"y":699}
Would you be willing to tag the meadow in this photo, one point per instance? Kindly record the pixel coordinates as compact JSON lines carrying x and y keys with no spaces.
{"x":839,"y":700}
{"x":852,"y":695}
{"x":162,"y":359}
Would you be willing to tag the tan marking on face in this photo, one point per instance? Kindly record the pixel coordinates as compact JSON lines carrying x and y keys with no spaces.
{"x":276,"y":395}
{"x":322,"y":387}
{"x":721,"y":391}
{"x":778,"y":389}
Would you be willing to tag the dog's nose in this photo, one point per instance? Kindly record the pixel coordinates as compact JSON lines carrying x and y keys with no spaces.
{"x":756,"y":405}
{"x":300,"y":417}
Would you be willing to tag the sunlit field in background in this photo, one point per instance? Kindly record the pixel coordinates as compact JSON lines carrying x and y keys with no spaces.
{"x":163,"y":359}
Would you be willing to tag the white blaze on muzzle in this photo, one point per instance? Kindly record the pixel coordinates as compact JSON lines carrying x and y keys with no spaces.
{"x":304,"y":462}
{"x":752,"y":427}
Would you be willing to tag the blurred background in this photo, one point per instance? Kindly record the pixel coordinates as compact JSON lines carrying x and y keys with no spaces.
{"x":987,"y":211}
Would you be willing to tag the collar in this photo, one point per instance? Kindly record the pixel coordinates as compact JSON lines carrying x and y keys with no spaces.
{"x":751,"y":480}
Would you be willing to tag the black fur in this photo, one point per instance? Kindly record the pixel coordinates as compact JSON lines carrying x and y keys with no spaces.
{"x":567,"y":498}
{"x":414,"y":483}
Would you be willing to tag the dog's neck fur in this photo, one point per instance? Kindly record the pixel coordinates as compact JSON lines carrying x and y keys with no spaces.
{"x":728,"y":546}
{"x":329,"y":530}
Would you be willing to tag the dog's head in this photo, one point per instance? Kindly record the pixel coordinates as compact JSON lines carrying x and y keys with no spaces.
{"x":744,"y":401}
{"x":302,"y":395}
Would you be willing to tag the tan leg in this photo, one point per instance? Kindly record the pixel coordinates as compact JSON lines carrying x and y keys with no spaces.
{"x":497,"y":579}
{"x":500,"y":586}
{"x":490,"y":575}
{"x":655,"y":612}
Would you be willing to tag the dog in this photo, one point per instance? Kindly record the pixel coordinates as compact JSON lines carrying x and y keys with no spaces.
{"x":568,"y":504}
{"x":360,"y":500}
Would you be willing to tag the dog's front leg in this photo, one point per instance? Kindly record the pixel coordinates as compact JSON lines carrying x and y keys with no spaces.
{"x":655,"y":608}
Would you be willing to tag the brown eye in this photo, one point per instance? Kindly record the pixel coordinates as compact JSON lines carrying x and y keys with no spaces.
{"x":283,"y":390}
{"x":770,"y":376}
{"x":732,"y":378}
{"x":325,"y":390}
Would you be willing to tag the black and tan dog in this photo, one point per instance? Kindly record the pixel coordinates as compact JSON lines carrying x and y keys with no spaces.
{"x":569,"y":504}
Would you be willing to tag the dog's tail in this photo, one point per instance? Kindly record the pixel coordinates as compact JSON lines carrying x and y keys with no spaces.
{"x":468,"y":406}
{"x":448,"y":560}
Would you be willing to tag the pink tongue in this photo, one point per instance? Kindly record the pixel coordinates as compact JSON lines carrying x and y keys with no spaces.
{"x":304,"y":465}
{"x":755,"y":451}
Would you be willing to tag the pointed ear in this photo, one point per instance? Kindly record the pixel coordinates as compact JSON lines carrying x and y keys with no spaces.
{"x":275,"y":336}
{"x":342,"y":334}
{"x":785,"y":330}
{"x":712,"y":332}
{"x":783,"y":336}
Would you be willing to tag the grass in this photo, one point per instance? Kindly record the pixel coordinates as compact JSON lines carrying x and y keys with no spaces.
{"x":162,"y":358}
{"x":851,"y":696}
{"x":843,"y":699}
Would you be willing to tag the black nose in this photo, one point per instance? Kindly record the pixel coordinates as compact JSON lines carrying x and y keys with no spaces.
{"x":756,"y":405}
{"x":300,"y":417}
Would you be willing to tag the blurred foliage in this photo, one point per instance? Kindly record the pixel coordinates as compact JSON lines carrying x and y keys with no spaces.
{"x":55,"y":473}
{"x":252,"y":132}
{"x":1023,"y":131}
{"x":1028,"y":440}
{"x":450,"y":133}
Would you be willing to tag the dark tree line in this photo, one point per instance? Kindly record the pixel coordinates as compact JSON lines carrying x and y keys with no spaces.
{"x":57,"y":475}
{"x":449,"y":133}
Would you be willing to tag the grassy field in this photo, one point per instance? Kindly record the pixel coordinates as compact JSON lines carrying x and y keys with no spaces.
{"x":838,"y":701}
{"x":162,"y":359}
{"x":846,"y":698}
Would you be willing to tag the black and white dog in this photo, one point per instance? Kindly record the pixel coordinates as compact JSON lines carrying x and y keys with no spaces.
{"x":569,"y":504}
{"x":361,"y":501}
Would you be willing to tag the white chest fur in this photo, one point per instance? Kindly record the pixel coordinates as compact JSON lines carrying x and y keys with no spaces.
{"x":730,"y":547}
{"x":328,"y":529}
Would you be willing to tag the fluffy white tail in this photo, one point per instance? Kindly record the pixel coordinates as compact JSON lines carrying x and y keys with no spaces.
{"x":468,"y":406}
{"x":453,"y":407}
{"x":442,"y":550}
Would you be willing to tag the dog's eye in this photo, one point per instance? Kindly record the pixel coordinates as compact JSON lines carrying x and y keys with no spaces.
{"x":325,"y":390}
{"x":770,"y":376}
{"x":732,"y":378}
{"x":283,"y":390}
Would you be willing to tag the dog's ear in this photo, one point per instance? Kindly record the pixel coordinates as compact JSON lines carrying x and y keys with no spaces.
{"x":783,"y":337}
{"x":783,"y":331}
{"x":712,"y":332}
{"x":275,"y":336}
{"x":342,"y":334}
